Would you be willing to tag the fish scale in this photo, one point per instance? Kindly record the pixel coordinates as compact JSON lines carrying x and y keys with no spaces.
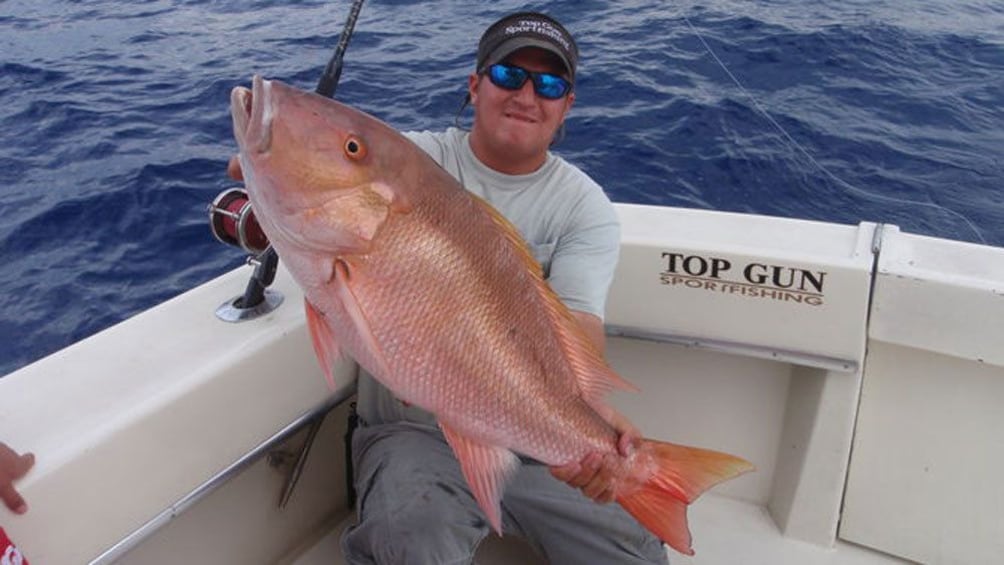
{"x":404,"y":301}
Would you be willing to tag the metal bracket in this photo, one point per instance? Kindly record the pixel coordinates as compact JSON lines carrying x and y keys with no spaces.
{"x":257,"y":299}
{"x":280,"y":458}
{"x":230,"y":311}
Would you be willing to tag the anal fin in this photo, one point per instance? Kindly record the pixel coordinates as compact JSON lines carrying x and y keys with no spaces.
{"x":487,"y":469}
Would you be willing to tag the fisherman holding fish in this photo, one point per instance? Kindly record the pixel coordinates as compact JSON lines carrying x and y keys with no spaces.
{"x":466,"y":273}
{"x":414,"y":506}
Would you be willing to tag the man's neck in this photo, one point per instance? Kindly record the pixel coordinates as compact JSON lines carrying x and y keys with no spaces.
{"x":508,"y":163}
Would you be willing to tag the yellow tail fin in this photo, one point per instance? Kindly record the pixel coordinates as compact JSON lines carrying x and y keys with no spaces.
{"x":683,"y":474}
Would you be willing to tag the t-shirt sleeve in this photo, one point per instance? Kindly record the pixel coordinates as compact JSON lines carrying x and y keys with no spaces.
{"x":586,"y":254}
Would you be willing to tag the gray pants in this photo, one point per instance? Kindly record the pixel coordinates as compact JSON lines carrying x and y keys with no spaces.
{"x":414,"y":507}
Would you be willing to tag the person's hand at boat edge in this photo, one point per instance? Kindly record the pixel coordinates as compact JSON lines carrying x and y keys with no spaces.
{"x":12,"y":467}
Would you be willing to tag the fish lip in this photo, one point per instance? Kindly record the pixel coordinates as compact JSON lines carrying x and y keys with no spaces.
{"x":250,"y":110}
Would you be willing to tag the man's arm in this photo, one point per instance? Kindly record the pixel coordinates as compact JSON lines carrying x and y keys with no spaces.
{"x":12,"y":468}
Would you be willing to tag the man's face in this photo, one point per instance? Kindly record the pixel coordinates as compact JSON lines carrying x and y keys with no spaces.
{"x":519,"y":122}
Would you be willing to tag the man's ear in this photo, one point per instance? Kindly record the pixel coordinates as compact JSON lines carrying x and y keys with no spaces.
{"x":569,"y":100}
{"x":472,"y":87}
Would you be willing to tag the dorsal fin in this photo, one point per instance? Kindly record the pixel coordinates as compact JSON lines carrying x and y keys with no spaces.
{"x":513,"y":236}
{"x":594,"y":377}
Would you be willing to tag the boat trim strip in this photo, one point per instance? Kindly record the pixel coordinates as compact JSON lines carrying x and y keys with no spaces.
{"x":133,"y":540}
{"x":750,"y":350}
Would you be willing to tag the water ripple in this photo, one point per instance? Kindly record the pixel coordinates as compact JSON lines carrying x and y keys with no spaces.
{"x":117,"y":128}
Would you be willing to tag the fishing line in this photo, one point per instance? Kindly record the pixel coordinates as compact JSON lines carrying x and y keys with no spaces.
{"x":791,"y":141}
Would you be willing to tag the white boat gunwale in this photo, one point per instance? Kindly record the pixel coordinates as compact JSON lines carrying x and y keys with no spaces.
{"x":125,"y":405}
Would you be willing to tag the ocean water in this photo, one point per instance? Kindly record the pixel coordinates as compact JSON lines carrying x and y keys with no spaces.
{"x":116,"y":130}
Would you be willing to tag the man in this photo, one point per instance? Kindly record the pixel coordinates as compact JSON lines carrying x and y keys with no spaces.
{"x":12,"y":468}
{"x":414,"y":506}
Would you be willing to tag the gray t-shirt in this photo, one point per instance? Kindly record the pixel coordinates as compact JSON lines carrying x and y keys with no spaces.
{"x":565,"y":218}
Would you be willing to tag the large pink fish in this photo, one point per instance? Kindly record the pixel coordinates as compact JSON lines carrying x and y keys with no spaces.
{"x":435,"y":293}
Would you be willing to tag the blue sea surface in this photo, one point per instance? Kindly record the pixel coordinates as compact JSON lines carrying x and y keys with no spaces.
{"x":116,"y":128}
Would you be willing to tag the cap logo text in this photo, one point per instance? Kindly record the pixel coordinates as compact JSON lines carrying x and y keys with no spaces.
{"x":539,"y":28}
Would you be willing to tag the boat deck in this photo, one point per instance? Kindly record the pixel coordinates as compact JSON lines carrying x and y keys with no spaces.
{"x":725,"y":531}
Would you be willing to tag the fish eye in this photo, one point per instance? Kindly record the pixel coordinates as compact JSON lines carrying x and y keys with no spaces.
{"x":354,"y":148}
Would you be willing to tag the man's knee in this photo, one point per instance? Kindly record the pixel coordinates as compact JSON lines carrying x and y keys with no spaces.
{"x":415,"y":533}
{"x":413,"y":503}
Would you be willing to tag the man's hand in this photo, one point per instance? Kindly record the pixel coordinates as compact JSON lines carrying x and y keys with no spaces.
{"x":234,"y":168}
{"x":12,"y":468}
{"x":595,"y":474}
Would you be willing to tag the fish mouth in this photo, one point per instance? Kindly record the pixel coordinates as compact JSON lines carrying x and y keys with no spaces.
{"x":252,"y":115}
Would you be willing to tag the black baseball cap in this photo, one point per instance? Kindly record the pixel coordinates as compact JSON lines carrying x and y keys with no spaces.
{"x":527,"y":29}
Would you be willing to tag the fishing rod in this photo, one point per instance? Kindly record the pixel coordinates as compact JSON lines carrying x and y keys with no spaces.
{"x":333,"y":70}
{"x":232,"y":220}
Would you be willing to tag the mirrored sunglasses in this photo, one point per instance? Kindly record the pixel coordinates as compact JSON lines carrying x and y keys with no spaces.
{"x":511,"y":77}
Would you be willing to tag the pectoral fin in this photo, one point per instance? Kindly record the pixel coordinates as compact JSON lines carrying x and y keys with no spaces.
{"x":323,"y":339}
{"x":342,"y":284}
{"x":487,"y":469}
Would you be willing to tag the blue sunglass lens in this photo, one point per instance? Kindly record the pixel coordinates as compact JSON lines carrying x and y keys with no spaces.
{"x":545,"y":85}
{"x":550,"y":86}
{"x":510,"y":78}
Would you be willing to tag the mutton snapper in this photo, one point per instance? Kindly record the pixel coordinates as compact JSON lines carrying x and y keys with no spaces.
{"x":434,"y":292}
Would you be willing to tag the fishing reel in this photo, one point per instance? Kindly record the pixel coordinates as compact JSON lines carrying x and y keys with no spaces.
{"x":232,"y":221}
